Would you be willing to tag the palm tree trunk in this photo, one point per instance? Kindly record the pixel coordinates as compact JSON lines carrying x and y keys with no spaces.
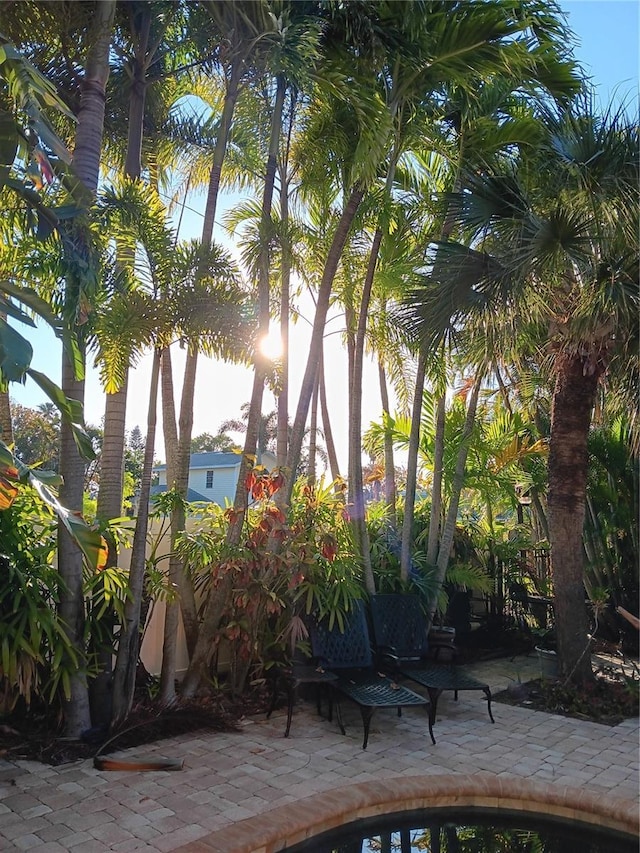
{"x":334,"y":468}
{"x":315,"y":346}
{"x":169,"y":423}
{"x":355,"y":420}
{"x":313,"y":434}
{"x":220,"y":150}
{"x":184,"y":438}
{"x":70,"y":565}
{"x":282,"y":439}
{"x":540,"y":515}
{"x":110,"y":493}
{"x":88,"y":141}
{"x":112,"y":456}
{"x":86,"y":161}
{"x":112,"y":459}
{"x":449,"y":529}
{"x":109,"y":507}
{"x":438,"y":475}
{"x":177,"y":576}
{"x":124,"y":680}
{"x":6,"y":429}
{"x":572,"y":405}
{"x":412,"y":461}
{"x":412,"y":468}
{"x":219,"y":595}
{"x":390,"y":497}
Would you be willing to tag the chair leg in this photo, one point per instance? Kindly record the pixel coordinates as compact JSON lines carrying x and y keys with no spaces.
{"x":290,"y":700}
{"x":433,"y":740}
{"x":434,"y":695}
{"x":338,"y":711}
{"x":367,"y":713}
{"x":487,"y":693}
{"x":274,"y":696}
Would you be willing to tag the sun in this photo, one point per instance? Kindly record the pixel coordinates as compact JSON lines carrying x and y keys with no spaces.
{"x":271,"y":345}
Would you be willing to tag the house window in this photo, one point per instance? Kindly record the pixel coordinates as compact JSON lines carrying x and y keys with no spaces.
{"x":209,"y":479}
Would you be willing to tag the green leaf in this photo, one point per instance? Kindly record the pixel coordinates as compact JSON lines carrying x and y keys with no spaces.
{"x":48,"y":478}
{"x":28,"y":297}
{"x":12,"y":310}
{"x":89,"y":540}
{"x":15,"y":353}
{"x":45,"y":226}
{"x":8,"y":138}
{"x":71,"y":411}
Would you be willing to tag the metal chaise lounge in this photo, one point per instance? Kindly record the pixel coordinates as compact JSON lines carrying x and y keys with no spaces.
{"x":400,"y":630}
{"x":348,"y":654}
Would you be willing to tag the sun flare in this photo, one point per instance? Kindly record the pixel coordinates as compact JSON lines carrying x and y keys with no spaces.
{"x":271,"y":345}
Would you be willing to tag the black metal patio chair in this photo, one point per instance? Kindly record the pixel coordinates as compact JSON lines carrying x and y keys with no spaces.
{"x":348,"y":654}
{"x":400,"y":631}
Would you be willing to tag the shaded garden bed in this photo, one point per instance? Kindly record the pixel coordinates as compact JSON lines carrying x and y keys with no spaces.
{"x":608,"y":700}
{"x":32,"y":736}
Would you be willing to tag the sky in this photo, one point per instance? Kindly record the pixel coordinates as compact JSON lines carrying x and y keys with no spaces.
{"x":607,"y":46}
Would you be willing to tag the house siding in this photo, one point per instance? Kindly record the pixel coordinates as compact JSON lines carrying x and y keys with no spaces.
{"x":225,"y":467}
{"x":224,"y":483}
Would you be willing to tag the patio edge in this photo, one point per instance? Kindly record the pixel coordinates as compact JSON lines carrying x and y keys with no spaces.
{"x":274,"y":830}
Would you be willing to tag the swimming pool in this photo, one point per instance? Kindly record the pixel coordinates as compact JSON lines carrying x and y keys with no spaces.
{"x":467,"y":831}
{"x":321,"y":818}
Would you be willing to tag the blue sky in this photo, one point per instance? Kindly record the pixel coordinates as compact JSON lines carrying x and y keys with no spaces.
{"x":607,"y":39}
{"x":608,"y":36}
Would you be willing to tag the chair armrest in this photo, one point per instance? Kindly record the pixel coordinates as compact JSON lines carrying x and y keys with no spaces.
{"x":386,"y":656}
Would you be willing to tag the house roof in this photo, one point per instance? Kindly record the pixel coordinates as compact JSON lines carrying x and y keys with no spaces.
{"x":192,"y":495}
{"x":213,"y":459}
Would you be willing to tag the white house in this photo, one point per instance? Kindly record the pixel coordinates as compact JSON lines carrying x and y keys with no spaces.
{"x":212,"y":476}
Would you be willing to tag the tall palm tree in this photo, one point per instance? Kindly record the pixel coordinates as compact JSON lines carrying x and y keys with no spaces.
{"x":182,"y":305}
{"x":286,"y":47}
{"x":86,"y":164}
{"x":481,"y":118}
{"x":149,"y":36}
{"x":556,"y":236}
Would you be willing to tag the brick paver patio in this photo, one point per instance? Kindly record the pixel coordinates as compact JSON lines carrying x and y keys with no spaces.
{"x":230,"y":777}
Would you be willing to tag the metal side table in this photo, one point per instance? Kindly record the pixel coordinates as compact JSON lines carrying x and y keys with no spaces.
{"x":290,"y":678}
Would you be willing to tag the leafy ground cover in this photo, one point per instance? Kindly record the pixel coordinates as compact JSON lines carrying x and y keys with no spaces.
{"x":607,"y":700}
{"x":612,"y":697}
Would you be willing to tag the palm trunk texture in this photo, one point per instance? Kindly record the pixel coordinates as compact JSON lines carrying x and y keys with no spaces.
{"x":315,"y":346}
{"x":572,"y":405}
{"x":86,"y":163}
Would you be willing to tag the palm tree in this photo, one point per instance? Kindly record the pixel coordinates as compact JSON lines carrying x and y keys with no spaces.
{"x":148,"y":36}
{"x":183,"y":305}
{"x":86,"y":164}
{"x":93,"y":27}
{"x":480,"y":119}
{"x":555,"y":237}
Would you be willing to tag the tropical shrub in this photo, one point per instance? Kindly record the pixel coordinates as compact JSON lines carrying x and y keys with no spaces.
{"x":283,"y":568}
{"x":464,"y":573}
{"x":35,"y":654}
{"x":36,"y":657}
{"x":612,"y":531}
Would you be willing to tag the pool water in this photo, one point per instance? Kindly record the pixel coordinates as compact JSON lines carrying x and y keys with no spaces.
{"x":468,"y":830}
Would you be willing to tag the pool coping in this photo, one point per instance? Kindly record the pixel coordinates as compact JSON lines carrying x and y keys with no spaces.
{"x":274,"y":830}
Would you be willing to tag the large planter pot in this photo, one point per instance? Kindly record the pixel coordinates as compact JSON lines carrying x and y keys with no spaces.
{"x":442,"y":643}
{"x":548,"y":662}
{"x":442,"y":634}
